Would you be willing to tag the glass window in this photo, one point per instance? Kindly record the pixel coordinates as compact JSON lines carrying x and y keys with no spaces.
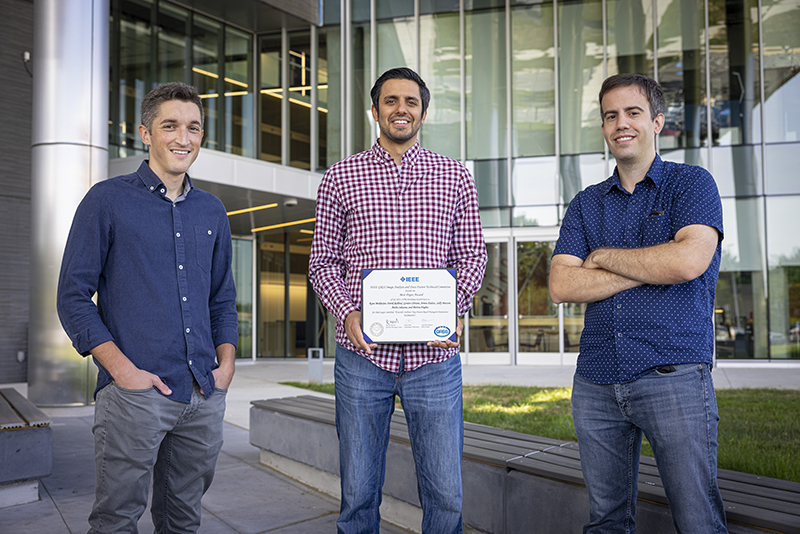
{"x":242,"y":266}
{"x":681,"y":72}
{"x":330,"y":12}
{"x":359,"y":10}
{"x":783,"y":244}
{"x":740,"y":310}
{"x":332,"y":132}
{"x":300,"y":100}
{"x":580,"y":68}
{"x":737,"y":170}
{"x":781,"y":20}
{"x":394,"y":9}
{"x":488,"y":317}
{"x":173,"y":44}
{"x":495,"y":217}
{"x":485,"y":58}
{"x":396,"y":47}
{"x":270,"y":95}
{"x":538,"y":315}
{"x":533,"y":81}
{"x":439,"y":67}
{"x":134,"y":73}
{"x":363,"y":130}
{"x":206,"y":39}
{"x":323,"y":104}
{"x":534,"y":216}
{"x":735,"y":81}
{"x":580,"y":171}
{"x":782,"y":164}
{"x":427,"y":7}
{"x":692,"y":156}
{"x":630,"y":36}
{"x":573,"y":326}
{"x":491,"y":181}
{"x":534,"y":181}
{"x":238,"y":92}
{"x":271,"y":292}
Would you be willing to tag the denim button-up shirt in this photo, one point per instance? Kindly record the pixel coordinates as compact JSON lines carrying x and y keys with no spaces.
{"x":651,"y":325}
{"x":162,"y":274}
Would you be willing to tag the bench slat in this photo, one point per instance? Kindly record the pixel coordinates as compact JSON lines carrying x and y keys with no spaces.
{"x":29,"y":412}
{"x":8,"y":417}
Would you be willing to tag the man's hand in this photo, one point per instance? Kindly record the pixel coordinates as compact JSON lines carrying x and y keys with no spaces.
{"x":226,"y":357}
{"x":125,"y":374}
{"x":352,"y":327}
{"x":139,"y":379}
{"x":447,"y":344}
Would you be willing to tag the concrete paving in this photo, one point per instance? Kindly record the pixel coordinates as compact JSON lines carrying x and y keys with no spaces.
{"x":247,"y":497}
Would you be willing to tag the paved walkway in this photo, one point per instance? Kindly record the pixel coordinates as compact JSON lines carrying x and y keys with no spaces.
{"x":247,"y":497}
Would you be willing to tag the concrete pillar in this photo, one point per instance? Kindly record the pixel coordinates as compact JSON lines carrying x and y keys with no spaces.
{"x":69,"y":154}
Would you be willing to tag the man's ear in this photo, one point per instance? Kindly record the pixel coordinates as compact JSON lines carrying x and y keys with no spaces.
{"x":144,"y":134}
{"x":374,"y":113}
{"x":659,"y":123}
{"x":423,"y":117}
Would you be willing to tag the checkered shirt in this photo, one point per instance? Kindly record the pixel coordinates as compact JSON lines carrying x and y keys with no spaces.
{"x":372,"y":214}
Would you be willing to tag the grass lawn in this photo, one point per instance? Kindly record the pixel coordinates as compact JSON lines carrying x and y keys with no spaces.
{"x":759,"y":430}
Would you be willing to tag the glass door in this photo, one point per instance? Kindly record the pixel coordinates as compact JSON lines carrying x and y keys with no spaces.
{"x":488,"y":317}
{"x":537,"y":315}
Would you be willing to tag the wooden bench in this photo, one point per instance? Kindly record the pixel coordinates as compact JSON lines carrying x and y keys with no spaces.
{"x":26,"y":448}
{"x":513,"y":482}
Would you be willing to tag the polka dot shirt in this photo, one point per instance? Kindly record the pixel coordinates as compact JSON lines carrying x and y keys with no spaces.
{"x":651,"y":325}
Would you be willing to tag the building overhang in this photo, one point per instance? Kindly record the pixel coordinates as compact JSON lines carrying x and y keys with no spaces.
{"x":244,"y":183}
{"x":260,"y":16}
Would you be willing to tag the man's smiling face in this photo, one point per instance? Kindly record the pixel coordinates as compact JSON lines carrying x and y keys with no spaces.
{"x":628,"y":127}
{"x":174,"y":138}
{"x":399,"y":112}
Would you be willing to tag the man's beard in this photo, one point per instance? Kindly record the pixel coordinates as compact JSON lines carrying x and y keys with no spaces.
{"x":401,"y":138}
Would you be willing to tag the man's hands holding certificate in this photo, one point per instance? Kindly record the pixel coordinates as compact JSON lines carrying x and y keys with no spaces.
{"x":352,"y":327}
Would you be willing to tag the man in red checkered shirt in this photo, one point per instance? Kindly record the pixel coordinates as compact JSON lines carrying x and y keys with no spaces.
{"x":396,"y":206}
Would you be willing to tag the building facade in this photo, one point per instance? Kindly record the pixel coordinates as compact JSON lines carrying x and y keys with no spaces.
{"x":514,"y":88}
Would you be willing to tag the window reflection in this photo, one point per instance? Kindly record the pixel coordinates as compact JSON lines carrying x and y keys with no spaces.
{"x":363,"y":131}
{"x":781,"y":20}
{"x":238,"y":93}
{"x":488,"y":323}
{"x":681,"y":72}
{"x":783,"y":243}
{"x":270,"y":95}
{"x":491,"y":180}
{"x":242,"y":267}
{"x":206,"y":37}
{"x":333,"y":127}
{"x":485,"y":59}
{"x":440,"y":68}
{"x":533,"y":181}
{"x":300,"y":100}
{"x":533,"y":81}
{"x":737,"y":170}
{"x":735,"y":84}
{"x":630,"y":36}
{"x":538,"y":315}
{"x":173,"y":38}
{"x":782,"y":164}
{"x":580,"y":171}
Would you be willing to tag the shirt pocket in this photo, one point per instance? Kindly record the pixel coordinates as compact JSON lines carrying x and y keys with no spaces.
{"x":204,"y":243}
{"x":655,"y":230}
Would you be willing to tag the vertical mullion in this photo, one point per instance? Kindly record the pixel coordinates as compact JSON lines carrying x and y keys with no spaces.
{"x":221,"y":90}
{"x":707,"y":61}
{"x":314,"y":125}
{"x":286,"y":131}
{"x":462,"y":39}
{"x":348,"y":82}
{"x":373,"y":54}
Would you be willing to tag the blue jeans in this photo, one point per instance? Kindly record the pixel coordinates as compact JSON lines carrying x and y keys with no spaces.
{"x":139,"y":432}
{"x":431,"y":397}
{"x":678,"y":413}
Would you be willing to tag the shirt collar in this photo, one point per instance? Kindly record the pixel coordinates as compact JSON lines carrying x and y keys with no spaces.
{"x":655,"y":173}
{"x":154,"y":184}
{"x":409,"y":158}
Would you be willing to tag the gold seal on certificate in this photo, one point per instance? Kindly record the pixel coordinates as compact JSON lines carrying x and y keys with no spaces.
{"x":408,"y":305}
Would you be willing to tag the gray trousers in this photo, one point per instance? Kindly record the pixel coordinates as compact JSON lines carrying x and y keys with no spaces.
{"x":141,"y":434}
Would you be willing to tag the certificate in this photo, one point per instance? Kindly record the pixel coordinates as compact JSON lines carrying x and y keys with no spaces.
{"x":408,"y":305}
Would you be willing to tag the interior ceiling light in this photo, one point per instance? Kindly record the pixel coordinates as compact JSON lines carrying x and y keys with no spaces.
{"x":283,"y":225}
{"x":304,"y":231}
{"x":256,"y":208}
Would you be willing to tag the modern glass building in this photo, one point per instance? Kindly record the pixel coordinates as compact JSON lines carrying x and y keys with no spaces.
{"x":514,"y":87}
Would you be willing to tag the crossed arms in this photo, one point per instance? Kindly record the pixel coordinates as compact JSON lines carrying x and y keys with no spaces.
{"x":608,"y":271}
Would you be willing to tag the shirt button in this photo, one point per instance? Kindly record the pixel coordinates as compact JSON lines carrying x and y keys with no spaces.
{"x":184,"y":299}
{"x":163,"y":190}
{"x":619,"y":335}
{"x":618,"y":305}
{"x":188,"y":330}
{"x":178,"y":234}
{"x":209,"y":232}
{"x":180,"y":267}
{"x":633,"y":202}
{"x":630,"y":228}
{"x":190,"y":362}
{"x":152,"y":187}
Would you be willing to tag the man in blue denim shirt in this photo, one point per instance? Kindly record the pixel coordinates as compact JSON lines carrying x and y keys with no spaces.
{"x":157,"y":252}
{"x":643,"y":249}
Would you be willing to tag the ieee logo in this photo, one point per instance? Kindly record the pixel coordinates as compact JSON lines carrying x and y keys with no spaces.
{"x":409,"y":278}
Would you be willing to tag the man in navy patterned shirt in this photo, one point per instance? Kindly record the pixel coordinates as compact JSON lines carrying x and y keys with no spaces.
{"x":396,"y":206}
{"x":643,"y":250}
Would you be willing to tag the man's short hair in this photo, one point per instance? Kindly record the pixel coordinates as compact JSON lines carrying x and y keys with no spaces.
{"x":164,"y":93}
{"x":401,"y":73}
{"x":648,"y":86}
